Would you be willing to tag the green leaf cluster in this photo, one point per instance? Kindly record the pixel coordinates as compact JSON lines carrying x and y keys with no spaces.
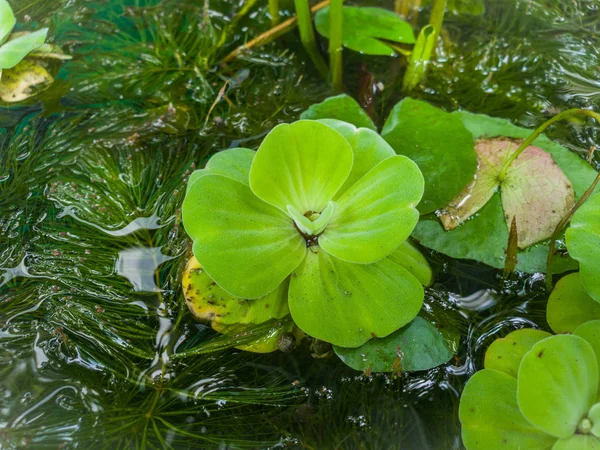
{"x":537,"y":391}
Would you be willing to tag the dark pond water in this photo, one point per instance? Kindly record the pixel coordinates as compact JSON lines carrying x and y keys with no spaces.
{"x":97,"y":348}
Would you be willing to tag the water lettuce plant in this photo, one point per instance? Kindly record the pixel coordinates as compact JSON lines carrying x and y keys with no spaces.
{"x":311,"y":207}
{"x":537,"y":391}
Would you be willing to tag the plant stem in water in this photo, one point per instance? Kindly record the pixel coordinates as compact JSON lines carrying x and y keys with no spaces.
{"x":436,"y":20}
{"x":274,"y":12}
{"x":307,"y":36}
{"x":335,"y":44}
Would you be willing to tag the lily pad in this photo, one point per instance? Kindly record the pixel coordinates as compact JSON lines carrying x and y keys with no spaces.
{"x":558,"y":383}
{"x":570,"y":305}
{"x":505,"y":354}
{"x":341,"y":107}
{"x":348,"y":304}
{"x":490,"y":416}
{"x":583,"y":242}
{"x":365,"y":29}
{"x":535,"y":192}
{"x":484,"y":237}
{"x":440,"y":145}
{"x":23,"y":81}
{"x":416,"y":346}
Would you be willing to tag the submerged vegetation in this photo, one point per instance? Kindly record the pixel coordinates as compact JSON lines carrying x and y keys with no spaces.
{"x":99,"y":347}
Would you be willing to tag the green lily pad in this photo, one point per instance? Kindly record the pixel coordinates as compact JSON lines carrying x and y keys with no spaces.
{"x":7,"y":20}
{"x":410,"y":257}
{"x":535,"y":192}
{"x":578,"y":442}
{"x":583,"y":242}
{"x":348,"y":304}
{"x":315,"y":164}
{"x":364,"y":29}
{"x":341,"y":107}
{"x":416,"y":346}
{"x":505,"y":354}
{"x":490,"y":416}
{"x":246,"y":245}
{"x":13,"y":51}
{"x":368,"y":147}
{"x":484,"y":237}
{"x":558,"y":383}
{"x":570,"y":305}
{"x":23,"y":81}
{"x":376,"y":214}
{"x":233,"y":163}
{"x":209,"y":302}
{"x":440,"y":145}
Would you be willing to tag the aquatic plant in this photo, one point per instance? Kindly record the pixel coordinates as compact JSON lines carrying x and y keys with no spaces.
{"x":536,"y":391}
{"x":305,"y":206}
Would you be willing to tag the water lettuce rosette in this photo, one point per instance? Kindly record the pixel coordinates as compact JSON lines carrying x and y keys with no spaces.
{"x":324,"y":206}
{"x":537,"y":391}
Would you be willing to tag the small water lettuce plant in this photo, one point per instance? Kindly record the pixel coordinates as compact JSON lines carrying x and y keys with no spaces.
{"x":537,"y":391}
{"x":321,"y":211}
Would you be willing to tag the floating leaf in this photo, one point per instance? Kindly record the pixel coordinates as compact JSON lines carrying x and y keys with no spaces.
{"x":50,"y":51}
{"x":590,"y":331}
{"x":558,"y":383}
{"x":7,"y":20}
{"x":365,"y":29}
{"x":246,"y":245}
{"x":578,"y":442}
{"x":583,"y":242}
{"x":594,"y":415}
{"x":416,"y":346}
{"x":505,"y":354}
{"x":13,"y":51}
{"x":348,"y":304}
{"x":570,"y":305}
{"x":23,"y":81}
{"x":440,"y":145}
{"x":233,"y":163}
{"x":484,"y":237}
{"x":408,"y":256}
{"x":376,"y":214}
{"x":535,"y":191}
{"x":341,"y":107}
{"x":490,"y":416}
{"x":304,"y":176}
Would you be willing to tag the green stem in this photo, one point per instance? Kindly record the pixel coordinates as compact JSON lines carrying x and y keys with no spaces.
{"x":563,"y":115}
{"x":274,"y":12}
{"x":561,"y":227}
{"x":307,"y":36}
{"x":437,"y":18}
{"x":335,"y":44}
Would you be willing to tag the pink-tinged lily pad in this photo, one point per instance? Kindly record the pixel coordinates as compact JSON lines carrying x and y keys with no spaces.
{"x":535,"y":190}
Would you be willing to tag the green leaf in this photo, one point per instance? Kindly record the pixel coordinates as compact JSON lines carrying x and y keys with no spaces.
{"x":557,"y":384}
{"x":570,"y":305}
{"x":594,"y":416}
{"x":368,"y":147}
{"x":365,"y":28}
{"x":208,"y":301}
{"x":590,"y":331}
{"x":505,"y":354}
{"x":13,"y":51}
{"x":341,"y":107}
{"x":416,"y":346}
{"x":410,"y":257}
{"x":246,"y":245}
{"x":376,"y":214}
{"x":578,"y":442}
{"x":463,"y":7}
{"x":302,"y":164}
{"x":348,"y":304}
{"x":233,"y":163}
{"x":485,"y":236}
{"x":535,"y":191}
{"x":583,"y":242}
{"x":7,"y":20}
{"x":23,"y":81}
{"x":440,"y":145}
{"x":490,"y":416}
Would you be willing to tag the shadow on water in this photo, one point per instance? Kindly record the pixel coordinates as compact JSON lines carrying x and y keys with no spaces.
{"x":97,"y":348}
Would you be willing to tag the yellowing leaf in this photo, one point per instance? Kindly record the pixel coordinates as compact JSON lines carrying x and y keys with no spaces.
{"x":23,"y":81}
{"x":535,"y":190}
